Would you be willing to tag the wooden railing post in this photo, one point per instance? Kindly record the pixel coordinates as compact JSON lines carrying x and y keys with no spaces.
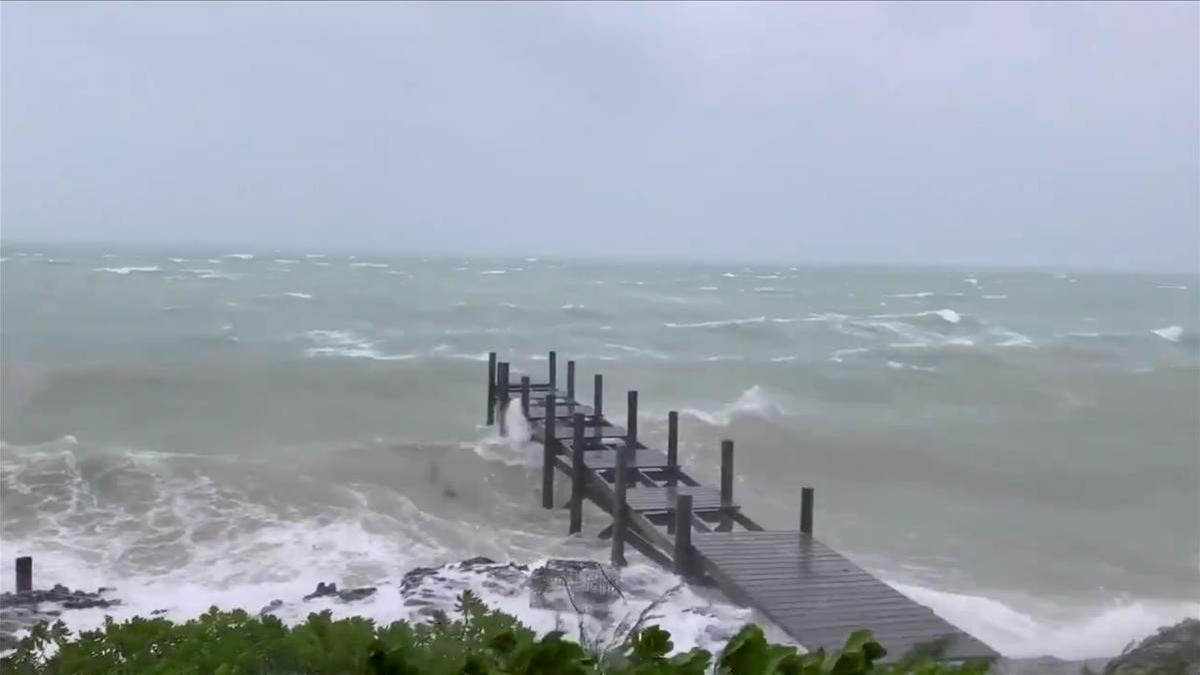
{"x":726,"y":485}
{"x":571,"y":381}
{"x":806,"y":511}
{"x":618,"y":511}
{"x":683,"y":535}
{"x":598,"y":396}
{"x":578,"y":473}
{"x":24,"y":574}
{"x":672,"y":448}
{"x":631,"y":417}
{"x":502,"y":396}
{"x":553,"y":371}
{"x":525,"y":395}
{"x":549,"y":450}
{"x":491,"y":389}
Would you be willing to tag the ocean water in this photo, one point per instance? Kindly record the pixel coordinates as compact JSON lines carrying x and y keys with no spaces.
{"x":1020,"y":450}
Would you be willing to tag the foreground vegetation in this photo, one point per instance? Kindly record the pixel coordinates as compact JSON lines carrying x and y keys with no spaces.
{"x":477,"y":641}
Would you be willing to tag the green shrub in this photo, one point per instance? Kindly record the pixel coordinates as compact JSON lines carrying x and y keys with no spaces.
{"x":477,"y":641}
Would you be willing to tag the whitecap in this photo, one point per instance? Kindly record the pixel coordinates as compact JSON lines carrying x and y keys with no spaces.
{"x":239,"y":256}
{"x":1173,"y":288}
{"x":1095,"y":633}
{"x":999,"y":296}
{"x":486,"y":272}
{"x":640,"y":351}
{"x":178,"y":260}
{"x":708,"y":288}
{"x":297,"y":294}
{"x":286,"y":261}
{"x":971,"y":280}
{"x":729,"y":275}
{"x":753,"y":402}
{"x":1013,"y":338}
{"x":717,"y":324}
{"x":368,"y":264}
{"x":127,"y":270}
{"x":840,"y":355}
{"x":1170,"y":333}
{"x":314,"y":255}
{"x":921,"y":294}
{"x":765,"y":289}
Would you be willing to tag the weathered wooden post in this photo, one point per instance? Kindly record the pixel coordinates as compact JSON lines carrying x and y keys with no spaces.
{"x":672,"y":448}
{"x":598,"y":397}
{"x":502,"y":403}
{"x":726,"y":485}
{"x":525,"y":396}
{"x":683,"y":535}
{"x":631,"y":429}
{"x":548,"y":453}
{"x":553,"y":371}
{"x":491,"y":390}
{"x":618,"y":536}
{"x":806,"y":511}
{"x":24,"y":574}
{"x":577,"y":474}
{"x":571,"y":381}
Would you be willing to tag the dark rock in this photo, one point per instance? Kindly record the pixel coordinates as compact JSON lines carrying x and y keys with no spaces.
{"x":271,"y":607}
{"x":323,"y":590}
{"x":352,"y":594}
{"x":1174,"y":649}
{"x":415,"y":577}
{"x":581,"y":586}
{"x":476,"y":561}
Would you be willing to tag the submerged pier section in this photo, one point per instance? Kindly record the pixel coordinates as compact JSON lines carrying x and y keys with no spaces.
{"x":809,"y":590}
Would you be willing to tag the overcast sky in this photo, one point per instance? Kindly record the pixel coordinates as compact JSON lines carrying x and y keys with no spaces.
{"x":1004,"y":133}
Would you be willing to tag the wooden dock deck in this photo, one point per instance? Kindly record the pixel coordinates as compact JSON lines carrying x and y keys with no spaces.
{"x":809,"y":590}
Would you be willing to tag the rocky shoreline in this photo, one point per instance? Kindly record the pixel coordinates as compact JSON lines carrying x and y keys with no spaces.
{"x":584,"y":595}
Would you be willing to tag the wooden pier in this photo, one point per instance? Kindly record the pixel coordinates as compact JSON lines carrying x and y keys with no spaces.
{"x":810,"y":591}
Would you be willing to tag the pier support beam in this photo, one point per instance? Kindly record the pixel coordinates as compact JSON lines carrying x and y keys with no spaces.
{"x":502,"y":396}
{"x":553,"y":371}
{"x":618,"y":511}
{"x":24,"y":574}
{"x":683,"y":535}
{"x":631,"y":414}
{"x":726,"y":486}
{"x":491,"y":389}
{"x":525,"y":396}
{"x":598,"y":396}
{"x":806,"y":511}
{"x":578,"y":473}
{"x":672,"y":449}
{"x":548,"y":454}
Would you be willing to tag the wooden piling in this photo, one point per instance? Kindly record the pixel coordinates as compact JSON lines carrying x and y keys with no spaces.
{"x":672,"y":448}
{"x":577,"y":474}
{"x":726,"y":485}
{"x":548,"y":452}
{"x":553,"y":371}
{"x":806,"y":511}
{"x":502,"y":403}
{"x":683,"y":535}
{"x":631,"y":429}
{"x":24,"y":574}
{"x":571,"y":381}
{"x":618,"y":511}
{"x":525,"y":395}
{"x":598,"y":396}
{"x":491,"y":389}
